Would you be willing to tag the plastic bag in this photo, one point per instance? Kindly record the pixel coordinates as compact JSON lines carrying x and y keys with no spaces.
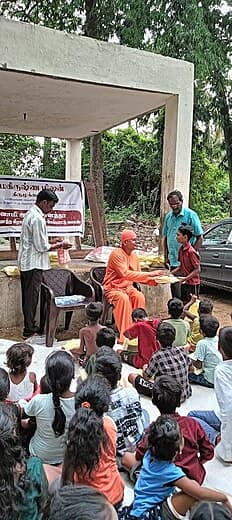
{"x":63,"y":256}
{"x":99,"y":254}
{"x":74,"y":299}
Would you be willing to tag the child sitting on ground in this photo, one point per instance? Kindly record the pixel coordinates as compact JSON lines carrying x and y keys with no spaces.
{"x":23,"y":484}
{"x":23,"y":384}
{"x":169,"y":360}
{"x":210,"y":511}
{"x":189,"y":260}
{"x":44,"y":387}
{"x":182,"y":327}
{"x":218,"y":423}
{"x":206,"y":355}
{"x":125,"y":408}
{"x":4,"y":385}
{"x":196,"y":449}
{"x":81,"y":503}
{"x":88,"y":333}
{"x":145,"y":330}
{"x":53,"y":411}
{"x":205,"y":307}
{"x":90,"y":456}
{"x":105,"y":337}
{"x":191,"y":307}
{"x":155,"y":493}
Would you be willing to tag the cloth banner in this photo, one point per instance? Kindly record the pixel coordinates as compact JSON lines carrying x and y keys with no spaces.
{"x":18,"y":194}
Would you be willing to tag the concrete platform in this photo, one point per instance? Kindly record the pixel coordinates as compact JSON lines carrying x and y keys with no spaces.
{"x":218,"y":475}
{"x":10,"y":290}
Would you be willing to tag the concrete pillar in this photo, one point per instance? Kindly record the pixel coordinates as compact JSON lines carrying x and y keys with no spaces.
{"x":177,"y":147}
{"x":73,"y":173}
{"x":73,"y":160}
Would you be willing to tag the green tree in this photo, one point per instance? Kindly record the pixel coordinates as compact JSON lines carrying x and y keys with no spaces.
{"x":132,"y":171}
{"x":53,"y":165}
{"x":186,"y":29}
{"x":205,"y":174}
{"x":200,"y":32}
{"x":19,"y":155}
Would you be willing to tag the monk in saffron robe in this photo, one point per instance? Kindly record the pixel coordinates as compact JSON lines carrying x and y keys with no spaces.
{"x":122,"y":270}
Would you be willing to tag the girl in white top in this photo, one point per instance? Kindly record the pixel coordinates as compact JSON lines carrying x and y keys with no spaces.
{"x":22,"y":383}
{"x":53,"y":411}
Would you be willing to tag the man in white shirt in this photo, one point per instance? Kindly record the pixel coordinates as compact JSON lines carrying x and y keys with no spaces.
{"x":33,"y":256}
{"x":218,"y":423}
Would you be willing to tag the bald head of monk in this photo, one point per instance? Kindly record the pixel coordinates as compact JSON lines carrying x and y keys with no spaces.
{"x":128,"y":240}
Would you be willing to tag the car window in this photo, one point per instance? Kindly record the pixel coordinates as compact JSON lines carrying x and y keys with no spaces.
{"x":218,"y":235}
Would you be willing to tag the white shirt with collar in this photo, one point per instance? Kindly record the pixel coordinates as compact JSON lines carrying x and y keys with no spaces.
{"x":34,"y":244}
{"x":223,"y":389}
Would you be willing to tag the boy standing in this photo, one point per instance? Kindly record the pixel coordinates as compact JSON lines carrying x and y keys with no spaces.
{"x":189,"y":264}
{"x":169,"y":360}
{"x":145,"y":330}
{"x":206,"y":355}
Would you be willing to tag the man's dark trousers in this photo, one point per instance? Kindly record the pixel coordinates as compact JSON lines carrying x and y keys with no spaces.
{"x":175,"y":287}
{"x":30,"y":285}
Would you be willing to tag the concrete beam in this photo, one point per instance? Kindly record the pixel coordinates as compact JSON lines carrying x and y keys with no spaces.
{"x":35,"y":49}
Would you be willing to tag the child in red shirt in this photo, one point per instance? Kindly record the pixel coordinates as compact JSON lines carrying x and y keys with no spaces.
{"x":189,"y":264}
{"x":196,"y":449}
{"x":145,"y":330}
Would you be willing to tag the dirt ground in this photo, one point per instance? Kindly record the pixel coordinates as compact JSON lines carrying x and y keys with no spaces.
{"x":222,"y":302}
{"x":222,"y":310}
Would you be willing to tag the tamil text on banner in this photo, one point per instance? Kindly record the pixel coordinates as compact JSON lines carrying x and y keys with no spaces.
{"x":18,"y":194}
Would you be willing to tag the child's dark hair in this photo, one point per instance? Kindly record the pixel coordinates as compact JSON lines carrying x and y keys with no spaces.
{"x":105,"y":337}
{"x":175,"y":308}
{"x":205,"y":307}
{"x":166,"y":334}
{"x":210,"y":511}
{"x":59,"y":372}
{"x":164,"y":438}
{"x":225,"y":341}
{"x":4,"y":384}
{"x":186,"y":230}
{"x":94,"y":311}
{"x":86,"y":434}
{"x":11,"y":453}
{"x":44,"y":386}
{"x":108,"y":364}
{"x":18,"y":357}
{"x":166,"y":394}
{"x":209,"y":325}
{"x":138,"y":314}
{"x":80,"y":503}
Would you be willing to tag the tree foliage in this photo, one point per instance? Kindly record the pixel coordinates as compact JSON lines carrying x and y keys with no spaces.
{"x":200,"y":32}
{"x":132,"y":171}
{"x":19,"y":155}
{"x":197,"y":31}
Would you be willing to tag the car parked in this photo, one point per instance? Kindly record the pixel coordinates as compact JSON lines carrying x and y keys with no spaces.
{"x":216,"y":255}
